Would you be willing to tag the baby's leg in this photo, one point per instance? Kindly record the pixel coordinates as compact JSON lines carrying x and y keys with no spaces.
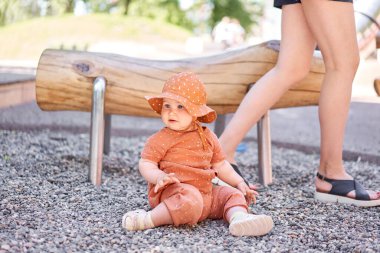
{"x":181,"y":204}
{"x":161,"y":216}
{"x":230,"y":204}
{"x":184,"y":203}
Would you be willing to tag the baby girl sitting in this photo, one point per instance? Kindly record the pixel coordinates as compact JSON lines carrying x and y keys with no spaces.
{"x":179,"y":162}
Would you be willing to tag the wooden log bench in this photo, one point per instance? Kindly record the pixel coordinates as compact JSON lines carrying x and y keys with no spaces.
{"x":106,"y":84}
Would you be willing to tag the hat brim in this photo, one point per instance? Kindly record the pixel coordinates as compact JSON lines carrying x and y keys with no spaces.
{"x":203,"y":113}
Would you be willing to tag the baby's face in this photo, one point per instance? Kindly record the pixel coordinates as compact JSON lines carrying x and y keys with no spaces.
{"x":175,"y":116}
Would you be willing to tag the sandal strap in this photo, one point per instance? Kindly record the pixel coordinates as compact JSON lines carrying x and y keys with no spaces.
{"x":360,"y":192}
{"x":343,"y":187}
{"x":323,"y":178}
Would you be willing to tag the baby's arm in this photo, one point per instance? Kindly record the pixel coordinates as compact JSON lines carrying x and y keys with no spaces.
{"x":150,"y":171}
{"x":227,"y":174}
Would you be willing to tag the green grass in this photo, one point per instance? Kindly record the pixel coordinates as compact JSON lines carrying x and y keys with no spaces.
{"x":26,"y":40}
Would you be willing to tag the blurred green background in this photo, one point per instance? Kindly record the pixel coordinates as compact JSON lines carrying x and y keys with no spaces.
{"x":27,"y":27}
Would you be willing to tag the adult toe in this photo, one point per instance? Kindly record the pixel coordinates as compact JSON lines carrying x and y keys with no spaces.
{"x":374,"y":195}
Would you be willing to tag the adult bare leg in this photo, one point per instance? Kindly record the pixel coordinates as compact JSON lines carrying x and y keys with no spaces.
{"x":297,"y":46}
{"x":332,"y":24}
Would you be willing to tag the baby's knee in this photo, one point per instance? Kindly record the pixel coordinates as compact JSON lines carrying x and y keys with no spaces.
{"x":185,"y":206}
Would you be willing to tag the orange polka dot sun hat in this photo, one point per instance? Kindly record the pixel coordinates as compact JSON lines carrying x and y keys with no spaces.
{"x":189,"y":90}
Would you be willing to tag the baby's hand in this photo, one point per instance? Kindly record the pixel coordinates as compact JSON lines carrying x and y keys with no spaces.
{"x":164,"y":180}
{"x":248,"y":192}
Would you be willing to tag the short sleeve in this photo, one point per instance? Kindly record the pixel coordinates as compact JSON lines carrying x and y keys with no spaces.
{"x":218,"y":154}
{"x":155,"y":148}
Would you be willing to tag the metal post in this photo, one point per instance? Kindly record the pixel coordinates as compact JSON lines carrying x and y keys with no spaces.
{"x":97,"y":131}
{"x":264,"y":150}
{"x":107,"y":134}
{"x":220,"y":124}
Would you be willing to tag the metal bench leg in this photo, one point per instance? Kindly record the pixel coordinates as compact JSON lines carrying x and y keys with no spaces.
{"x":264,"y":150}
{"x":220,"y":124}
{"x":107,"y":134}
{"x":97,"y":131}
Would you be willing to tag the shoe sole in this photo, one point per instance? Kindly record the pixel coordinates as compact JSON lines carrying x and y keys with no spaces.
{"x":258,"y":226}
{"x":330,"y":198}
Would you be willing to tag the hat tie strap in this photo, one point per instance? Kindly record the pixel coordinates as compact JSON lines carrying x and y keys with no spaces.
{"x":201,"y":134}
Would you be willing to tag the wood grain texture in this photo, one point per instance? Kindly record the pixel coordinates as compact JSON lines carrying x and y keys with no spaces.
{"x":64,"y":79}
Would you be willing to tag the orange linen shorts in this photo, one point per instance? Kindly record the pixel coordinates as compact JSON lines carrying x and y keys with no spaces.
{"x":187,"y":205}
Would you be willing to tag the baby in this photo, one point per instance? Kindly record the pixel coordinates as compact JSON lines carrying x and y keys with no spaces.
{"x":180,"y":161}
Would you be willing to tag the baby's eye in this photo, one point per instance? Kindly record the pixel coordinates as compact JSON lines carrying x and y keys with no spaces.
{"x":180,"y":107}
{"x":166,"y":106}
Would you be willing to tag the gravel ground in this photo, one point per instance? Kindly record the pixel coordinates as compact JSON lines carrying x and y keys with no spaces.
{"x":47,"y":205}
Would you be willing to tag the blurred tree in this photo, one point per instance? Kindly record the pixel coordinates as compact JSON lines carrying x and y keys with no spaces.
{"x":147,"y":8}
{"x":196,"y":14}
{"x":168,"y":10}
{"x":17,"y":10}
{"x":56,"y":7}
{"x":175,"y":15}
{"x":200,"y":13}
{"x":98,"y":5}
{"x":4,"y":5}
{"x":68,"y":4}
{"x":8,"y":11}
{"x":126,"y":4}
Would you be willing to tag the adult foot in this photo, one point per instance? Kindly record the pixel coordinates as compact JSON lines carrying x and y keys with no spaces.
{"x":342,"y":188}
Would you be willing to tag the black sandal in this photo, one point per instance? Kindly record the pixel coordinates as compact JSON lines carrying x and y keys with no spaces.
{"x":339,"y":191}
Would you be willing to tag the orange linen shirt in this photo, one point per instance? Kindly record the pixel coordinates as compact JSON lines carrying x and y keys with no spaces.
{"x":182,"y":153}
